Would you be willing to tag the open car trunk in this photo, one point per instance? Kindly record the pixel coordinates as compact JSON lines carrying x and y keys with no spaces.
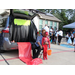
{"x":21,"y":26}
{"x":23,"y":13}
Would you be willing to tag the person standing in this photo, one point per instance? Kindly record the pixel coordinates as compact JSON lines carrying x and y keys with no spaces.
{"x":56,"y":37}
{"x":72,"y":37}
{"x":45,"y":39}
{"x":46,"y":28}
{"x":60,"y":35}
{"x":69,"y":40}
{"x":67,"y":36}
{"x":51,"y":33}
{"x":74,"y":42}
{"x":73,"y":31}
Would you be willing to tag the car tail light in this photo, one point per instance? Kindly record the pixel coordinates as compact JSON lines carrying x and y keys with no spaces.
{"x":5,"y":31}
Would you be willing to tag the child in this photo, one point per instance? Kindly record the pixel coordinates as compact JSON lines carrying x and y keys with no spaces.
{"x":69,"y":40}
{"x":46,"y":40}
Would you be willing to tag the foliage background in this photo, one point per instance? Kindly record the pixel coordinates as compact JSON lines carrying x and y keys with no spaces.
{"x":67,"y":16}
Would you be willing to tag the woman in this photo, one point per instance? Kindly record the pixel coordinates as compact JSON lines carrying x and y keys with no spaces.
{"x":60,"y":35}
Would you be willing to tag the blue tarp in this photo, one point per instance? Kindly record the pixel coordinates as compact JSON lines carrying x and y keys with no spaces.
{"x":68,"y":46}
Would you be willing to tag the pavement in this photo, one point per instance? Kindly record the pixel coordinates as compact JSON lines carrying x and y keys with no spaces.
{"x":60,"y":56}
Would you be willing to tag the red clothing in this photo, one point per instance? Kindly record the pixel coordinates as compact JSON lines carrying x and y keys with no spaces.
{"x":45,"y":39}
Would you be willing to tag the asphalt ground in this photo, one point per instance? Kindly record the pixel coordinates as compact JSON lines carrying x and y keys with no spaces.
{"x":60,"y":56}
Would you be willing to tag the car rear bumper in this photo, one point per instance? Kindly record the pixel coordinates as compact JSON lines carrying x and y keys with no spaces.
{"x":12,"y":46}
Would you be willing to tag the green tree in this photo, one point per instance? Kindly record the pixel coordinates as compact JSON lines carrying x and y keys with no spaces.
{"x":73,"y":16}
{"x":69,"y":13}
{"x":67,"y":16}
{"x":4,"y":22}
{"x":42,"y":10}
